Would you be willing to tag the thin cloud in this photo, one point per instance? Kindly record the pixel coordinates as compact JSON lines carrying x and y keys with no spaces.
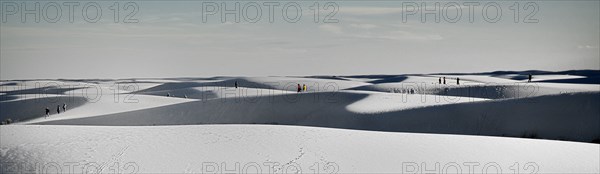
{"x":364,"y":31}
{"x":364,"y":26}
{"x":370,"y":10}
{"x":331,"y":28}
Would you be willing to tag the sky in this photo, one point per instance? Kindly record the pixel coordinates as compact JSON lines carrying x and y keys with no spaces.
{"x":160,"y":39}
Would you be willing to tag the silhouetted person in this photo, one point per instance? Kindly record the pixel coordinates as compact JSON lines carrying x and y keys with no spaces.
{"x":64,"y":107}
{"x":236,"y":84}
{"x":168,"y":94}
{"x":457,"y":81}
{"x":444,"y":80}
{"x":440,"y":80}
{"x":299,"y":88}
{"x":529,"y":78}
{"x":47,"y":112}
{"x":57,"y":109}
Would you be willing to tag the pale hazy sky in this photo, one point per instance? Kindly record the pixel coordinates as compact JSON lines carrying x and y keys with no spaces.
{"x":171,"y":40}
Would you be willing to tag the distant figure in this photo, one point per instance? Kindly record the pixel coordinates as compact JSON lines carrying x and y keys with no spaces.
{"x":236,"y":84}
{"x":47,"y":112}
{"x":168,"y":94}
{"x":440,"y":80}
{"x":304,"y":87}
{"x":444,"y":80}
{"x":64,"y":107}
{"x":457,"y":81}
{"x":529,"y":78}
{"x":299,"y":88}
{"x":57,"y":109}
{"x":412,"y":91}
{"x":185,"y":96}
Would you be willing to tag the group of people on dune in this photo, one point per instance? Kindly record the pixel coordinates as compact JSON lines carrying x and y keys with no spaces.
{"x":301,"y":88}
{"x":444,"y":80}
{"x":64,"y":109}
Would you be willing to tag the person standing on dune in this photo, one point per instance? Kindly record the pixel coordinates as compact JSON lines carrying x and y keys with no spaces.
{"x":64,"y":107}
{"x":236,"y":84}
{"x":529,"y":78}
{"x":299,"y":89}
{"x":457,"y":81}
{"x":440,"y":80}
{"x":47,"y":112}
{"x":57,"y":109}
{"x":304,"y":87}
{"x":444,"y":80}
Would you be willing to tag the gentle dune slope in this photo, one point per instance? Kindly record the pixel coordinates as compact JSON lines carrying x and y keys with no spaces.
{"x":34,"y":107}
{"x":277,"y":109}
{"x":280,"y":83}
{"x":563,"y":117}
{"x":480,"y":90}
{"x":185,"y":149}
{"x":566,"y":117}
{"x":102,"y":106}
{"x":213,"y":92}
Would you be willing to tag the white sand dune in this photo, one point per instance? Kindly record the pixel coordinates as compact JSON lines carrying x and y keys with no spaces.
{"x":105,"y":105}
{"x":213,"y":92}
{"x":481,"y":79}
{"x":280,"y":83}
{"x":555,"y":77}
{"x":492,"y":88}
{"x":377,"y":102}
{"x":383,"y":128}
{"x":187,"y":149}
{"x":565,"y":117}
